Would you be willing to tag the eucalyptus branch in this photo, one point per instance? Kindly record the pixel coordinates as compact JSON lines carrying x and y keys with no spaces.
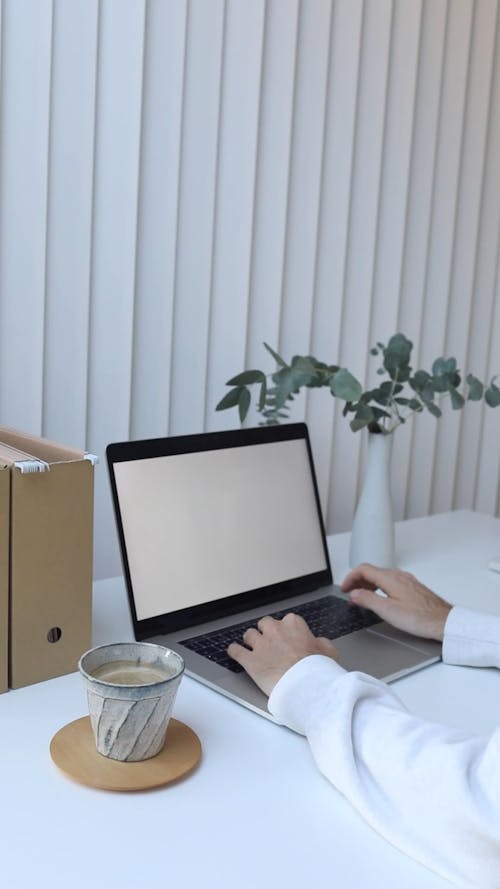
{"x":381,"y":409}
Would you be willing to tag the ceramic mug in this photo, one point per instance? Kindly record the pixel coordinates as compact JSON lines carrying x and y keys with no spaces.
{"x":131,"y":689}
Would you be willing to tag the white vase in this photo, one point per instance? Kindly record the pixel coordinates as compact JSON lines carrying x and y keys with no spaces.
{"x":372,"y":537}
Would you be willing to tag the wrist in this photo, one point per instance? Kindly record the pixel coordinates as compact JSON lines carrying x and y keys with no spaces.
{"x":441,"y":622}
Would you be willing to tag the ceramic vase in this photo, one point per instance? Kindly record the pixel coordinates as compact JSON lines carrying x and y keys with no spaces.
{"x":372,"y":537}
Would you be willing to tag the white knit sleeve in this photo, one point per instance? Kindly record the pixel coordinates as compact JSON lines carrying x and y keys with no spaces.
{"x":472,"y":638}
{"x":432,"y":791}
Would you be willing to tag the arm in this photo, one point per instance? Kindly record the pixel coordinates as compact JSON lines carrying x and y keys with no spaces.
{"x":432,"y":791}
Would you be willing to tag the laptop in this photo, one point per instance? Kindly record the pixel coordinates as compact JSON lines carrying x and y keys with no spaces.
{"x":217,"y":530}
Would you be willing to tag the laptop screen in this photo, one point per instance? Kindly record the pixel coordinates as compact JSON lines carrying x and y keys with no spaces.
{"x":231,"y":515}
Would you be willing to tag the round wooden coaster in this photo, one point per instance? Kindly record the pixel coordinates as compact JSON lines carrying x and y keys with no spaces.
{"x":73,"y":751}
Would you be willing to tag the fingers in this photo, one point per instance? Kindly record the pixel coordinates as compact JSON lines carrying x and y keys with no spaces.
{"x":327,"y":647}
{"x":266,"y":623}
{"x":368,"y":599}
{"x":296,"y":621}
{"x":267,"y":628}
{"x":239,"y":653}
{"x":251,"y":636}
{"x":367,"y":576}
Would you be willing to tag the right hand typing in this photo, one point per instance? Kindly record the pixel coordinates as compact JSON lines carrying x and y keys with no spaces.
{"x":407,"y":604}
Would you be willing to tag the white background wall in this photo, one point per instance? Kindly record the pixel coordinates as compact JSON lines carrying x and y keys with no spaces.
{"x":182,"y":179}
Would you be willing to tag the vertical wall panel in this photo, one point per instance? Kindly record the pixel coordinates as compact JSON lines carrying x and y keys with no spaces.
{"x":480,"y":358}
{"x":465,"y":245}
{"x":342,"y":90}
{"x":182,"y":180}
{"x":441,"y":235}
{"x":398,"y":134}
{"x":119,"y":92}
{"x":70,"y":177}
{"x":488,"y":466}
{"x":272,"y":178}
{"x":197,"y":187}
{"x":24,"y":129}
{"x":418,"y":221}
{"x":305,"y":181}
{"x":163,"y":93}
{"x":236,"y":166}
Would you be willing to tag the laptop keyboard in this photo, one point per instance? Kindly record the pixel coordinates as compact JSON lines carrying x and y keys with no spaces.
{"x":328,"y":616}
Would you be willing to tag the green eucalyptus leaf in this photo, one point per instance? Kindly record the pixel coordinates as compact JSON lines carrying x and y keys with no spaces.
{"x":247,"y":378}
{"x":492,"y":395}
{"x":433,"y":409}
{"x":244,"y":404}
{"x":397,"y":353}
{"x":386,"y":388}
{"x":367,"y":396}
{"x":289,"y":380}
{"x":231,"y":399}
{"x":419,"y":380}
{"x":319,"y":366}
{"x":363,"y":416}
{"x":378,"y":413}
{"x":404,"y":373}
{"x":427,"y":393}
{"x":457,"y":399}
{"x":279,"y":360}
{"x":263,"y":395}
{"x":376,"y":395}
{"x":415,"y":405}
{"x":443,"y":366}
{"x":389,"y":389}
{"x":476,"y":388}
{"x":356,"y":425}
{"x":344,"y":385}
{"x":304,"y":365}
{"x":441,"y":383}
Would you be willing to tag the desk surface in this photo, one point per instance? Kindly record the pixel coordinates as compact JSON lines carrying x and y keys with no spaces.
{"x":256,"y":810}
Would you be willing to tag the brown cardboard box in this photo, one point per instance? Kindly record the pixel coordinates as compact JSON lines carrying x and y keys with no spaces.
{"x":4,"y":576}
{"x":49,"y":556}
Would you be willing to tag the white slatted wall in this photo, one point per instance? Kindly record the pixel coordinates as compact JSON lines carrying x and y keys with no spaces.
{"x":182,"y":179}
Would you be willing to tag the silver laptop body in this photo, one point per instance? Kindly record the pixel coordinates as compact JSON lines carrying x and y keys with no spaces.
{"x":221,"y":528}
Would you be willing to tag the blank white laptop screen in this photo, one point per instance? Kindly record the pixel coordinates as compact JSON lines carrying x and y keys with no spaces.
{"x":202,"y":526}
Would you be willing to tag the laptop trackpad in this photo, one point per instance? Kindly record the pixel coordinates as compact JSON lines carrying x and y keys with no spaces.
{"x":377,"y":655}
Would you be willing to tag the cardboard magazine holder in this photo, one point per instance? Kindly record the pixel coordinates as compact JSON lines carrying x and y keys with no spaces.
{"x":46,"y":532}
{"x":4,"y":577}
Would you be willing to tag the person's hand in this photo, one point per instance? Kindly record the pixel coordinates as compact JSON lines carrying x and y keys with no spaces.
{"x":407,"y":605}
{"x":276,"y":645}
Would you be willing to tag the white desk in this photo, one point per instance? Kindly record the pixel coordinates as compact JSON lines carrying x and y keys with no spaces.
{"x":256,"y":812}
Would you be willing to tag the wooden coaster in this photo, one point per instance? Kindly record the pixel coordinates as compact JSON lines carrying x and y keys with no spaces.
{"x":74,"y":752}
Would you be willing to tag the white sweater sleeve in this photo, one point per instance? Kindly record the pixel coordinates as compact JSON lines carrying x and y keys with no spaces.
{"x":431,"y":790}
{"x":472,"y":638}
